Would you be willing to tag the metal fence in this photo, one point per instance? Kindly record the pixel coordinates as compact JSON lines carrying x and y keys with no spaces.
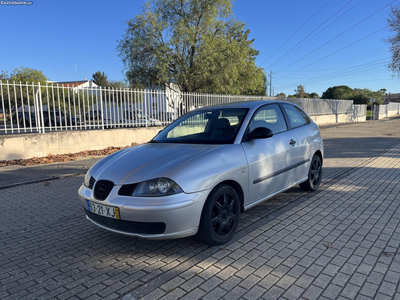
{"x":30,"y":107}
{"x":33,"y":107}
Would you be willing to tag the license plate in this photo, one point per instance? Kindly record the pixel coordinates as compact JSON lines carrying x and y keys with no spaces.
{"x":103,"y":210}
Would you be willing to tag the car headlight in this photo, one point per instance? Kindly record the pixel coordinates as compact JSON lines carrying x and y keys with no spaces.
{"x":157,"y":187}
{"x":86,"y":181}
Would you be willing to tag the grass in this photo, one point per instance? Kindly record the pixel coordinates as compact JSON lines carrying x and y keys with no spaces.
{"x":370,"y":113}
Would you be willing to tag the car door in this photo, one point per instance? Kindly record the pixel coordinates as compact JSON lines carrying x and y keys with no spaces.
{"x":272,"y":161}
{"x":307,"y":135}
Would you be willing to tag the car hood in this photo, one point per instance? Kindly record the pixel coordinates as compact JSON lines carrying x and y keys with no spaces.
{"x":148,"y":161}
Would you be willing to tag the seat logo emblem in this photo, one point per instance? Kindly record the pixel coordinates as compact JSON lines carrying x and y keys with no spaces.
{"x":102,"y":189}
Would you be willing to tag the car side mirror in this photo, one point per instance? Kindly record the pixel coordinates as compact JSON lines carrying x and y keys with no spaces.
{"x":260,"y":133}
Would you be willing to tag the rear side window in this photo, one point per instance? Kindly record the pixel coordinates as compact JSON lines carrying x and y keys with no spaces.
{"x":297,"y":117}
{"x":269,"y":116}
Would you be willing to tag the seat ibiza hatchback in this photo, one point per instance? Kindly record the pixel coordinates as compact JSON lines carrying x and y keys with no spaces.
{"x":199,"y":173}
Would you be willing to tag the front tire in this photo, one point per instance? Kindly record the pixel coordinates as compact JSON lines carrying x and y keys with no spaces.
{"x":220,"y":216}
{"x":314,"y":175}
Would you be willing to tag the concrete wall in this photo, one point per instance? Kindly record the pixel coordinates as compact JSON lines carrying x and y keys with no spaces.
{"x":63,"y":142}
{"x":337,"y":118}
{"x":385,"y":111}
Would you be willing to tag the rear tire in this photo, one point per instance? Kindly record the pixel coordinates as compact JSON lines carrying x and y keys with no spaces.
{"x":314,"y":175}
{"x":220,"y":217}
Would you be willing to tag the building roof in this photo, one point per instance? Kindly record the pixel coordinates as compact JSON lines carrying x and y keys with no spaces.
{"x":71,"y":83}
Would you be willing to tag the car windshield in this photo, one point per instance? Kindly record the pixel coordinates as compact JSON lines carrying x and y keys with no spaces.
{"x":211,"y":126}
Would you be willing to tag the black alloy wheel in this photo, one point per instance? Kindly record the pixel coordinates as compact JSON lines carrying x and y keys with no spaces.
{"x":220,"y":216}
{"x":314,"y":175}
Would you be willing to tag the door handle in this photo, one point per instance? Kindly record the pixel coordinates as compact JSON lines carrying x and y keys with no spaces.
{"x":292,"y":142}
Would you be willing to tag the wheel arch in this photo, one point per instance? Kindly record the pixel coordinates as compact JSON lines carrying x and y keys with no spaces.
{"x":238,"y":189}
{"x":319,"y":153}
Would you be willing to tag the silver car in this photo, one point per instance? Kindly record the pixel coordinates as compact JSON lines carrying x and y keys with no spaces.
{"x":199,"y":173}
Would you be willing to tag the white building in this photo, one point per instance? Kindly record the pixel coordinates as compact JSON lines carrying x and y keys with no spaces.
{"x":82,"y":85}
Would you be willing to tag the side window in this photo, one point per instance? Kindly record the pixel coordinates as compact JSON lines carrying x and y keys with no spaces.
{"x":269,"y":116}
{"x":297,"y":117}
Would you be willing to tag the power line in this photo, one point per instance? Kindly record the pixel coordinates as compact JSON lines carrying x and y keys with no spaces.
{"x":303,"y":41}
{"x":344,"y":61}
{"x":330,"y":77}
{"x":335,"y":51}
{"x":355,"y":58}
{"x":338,"y":36}
{"x":353,"y":70}
{"x":344,"y":70}
{"x":294,"y":33}
{"x":357,"y":69}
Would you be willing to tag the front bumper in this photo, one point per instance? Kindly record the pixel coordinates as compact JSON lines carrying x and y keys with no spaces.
{"x":166,"y":217}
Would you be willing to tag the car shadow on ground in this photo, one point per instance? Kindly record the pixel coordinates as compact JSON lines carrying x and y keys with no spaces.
{"x":358,"y":147}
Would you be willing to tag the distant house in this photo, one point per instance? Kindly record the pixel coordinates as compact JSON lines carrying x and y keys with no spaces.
{"x":167,"y":103}
{"x":82,"y":85}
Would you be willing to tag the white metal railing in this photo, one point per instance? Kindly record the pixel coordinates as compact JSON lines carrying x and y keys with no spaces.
{"x":30,"y":107}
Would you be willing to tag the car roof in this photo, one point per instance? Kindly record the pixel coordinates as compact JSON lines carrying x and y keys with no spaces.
{"x":241,"y":104}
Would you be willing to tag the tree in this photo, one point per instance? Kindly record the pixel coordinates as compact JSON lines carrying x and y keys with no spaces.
{"x":338,"y":92}
{"x":117,"y":84}
{"x":23,"y":93}
{"x":196,"y":44}
{"x":281,"y":95}
{"x":394,"y":40}
{"x":100,"y":78}
{"x":4,"y":75}
{"x":359,"y":96}
{"x":364,"y":96}
{"x":313,"y":95}
{"x":28,"y":75}
{"x":299,"y":92}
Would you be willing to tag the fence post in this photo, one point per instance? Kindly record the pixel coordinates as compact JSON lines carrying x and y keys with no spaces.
{"x":145,"y":105}
{"x":3,"y":108}
{"x":41,"y":106}
{"x":101,"y":109}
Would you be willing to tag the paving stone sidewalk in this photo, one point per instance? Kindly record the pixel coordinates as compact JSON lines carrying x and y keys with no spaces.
{"x":341,"y":242}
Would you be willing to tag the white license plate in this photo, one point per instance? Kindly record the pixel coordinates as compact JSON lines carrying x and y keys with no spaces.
{"x":103,"y":210}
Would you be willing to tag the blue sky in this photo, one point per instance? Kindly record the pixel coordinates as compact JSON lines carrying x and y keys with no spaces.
{"x":316,"y":43}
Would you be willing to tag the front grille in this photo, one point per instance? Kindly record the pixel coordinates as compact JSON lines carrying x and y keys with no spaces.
{"x":128,"y":226}
{"x":127,"y":189}
{"x":91,"y":182}
{"x":102,"y":189}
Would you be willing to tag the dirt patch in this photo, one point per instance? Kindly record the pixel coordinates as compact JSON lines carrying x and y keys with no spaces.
{"x":60,"y":157}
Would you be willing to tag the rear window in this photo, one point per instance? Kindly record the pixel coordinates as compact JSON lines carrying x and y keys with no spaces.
{"x":297,"y":117}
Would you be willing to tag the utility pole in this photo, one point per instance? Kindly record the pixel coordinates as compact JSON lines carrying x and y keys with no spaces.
{"x":270,"y":83}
